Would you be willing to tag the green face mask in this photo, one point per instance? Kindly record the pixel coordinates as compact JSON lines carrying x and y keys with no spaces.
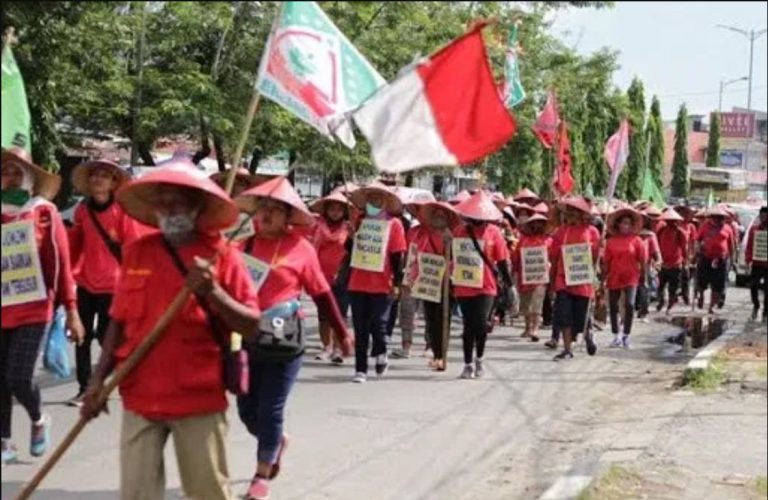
{"x":15,"y":196}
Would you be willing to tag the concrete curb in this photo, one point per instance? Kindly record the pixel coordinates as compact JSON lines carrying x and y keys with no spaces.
{"x":703,"y":359}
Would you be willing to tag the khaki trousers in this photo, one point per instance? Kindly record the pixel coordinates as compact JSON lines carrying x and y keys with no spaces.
{"x":200,"y":443}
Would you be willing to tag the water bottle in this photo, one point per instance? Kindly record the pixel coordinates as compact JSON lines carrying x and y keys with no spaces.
{"x":284,"y":310}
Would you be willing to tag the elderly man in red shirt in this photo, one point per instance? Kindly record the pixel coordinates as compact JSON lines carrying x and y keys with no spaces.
{"x":756,"y":255}
{"x":714,"y":244}
{"x":177,"y":390}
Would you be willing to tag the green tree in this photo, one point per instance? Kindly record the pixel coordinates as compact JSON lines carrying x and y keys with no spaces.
{"x":680,"y":181}
{"x":629,"y":182}
{"x":713,"y":146}
{"x":655,"y":136}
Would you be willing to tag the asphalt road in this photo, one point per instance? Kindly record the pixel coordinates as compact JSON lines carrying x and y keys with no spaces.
{"x":413,"y":435}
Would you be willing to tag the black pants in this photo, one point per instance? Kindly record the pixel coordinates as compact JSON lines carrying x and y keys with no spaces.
{"x":19,"y":349}
{"x":90,"y":306}
{"x":613,"y":307}
{"x":433,"y":323}
{"x":370,"y":316}
{"x":757,"y":275}
{"x":669,"y":277}
{"x":546,"y":311}
{"x":685,"y":284}
{"x":476,"y":312}
{"x":392,"y":319}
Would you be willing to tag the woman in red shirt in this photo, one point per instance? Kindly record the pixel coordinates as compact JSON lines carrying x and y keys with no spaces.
{"x":28,"y":303}
{"x":532,"y":294}
{"x":690,"y":229}
{"x":378,"y":258}
{"x":332,"y":231}
{"x":624,"y":264}
{"x":757,"y":262}
{"x":282,"y":265}
{"x":673,"y":245}
{"x":714,"y":247}
{"x":101,"y":227}
{"x":479,"y":254}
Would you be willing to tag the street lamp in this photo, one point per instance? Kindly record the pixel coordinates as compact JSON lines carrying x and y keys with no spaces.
{"x":722,"y":87}
{"x":751,"y":35}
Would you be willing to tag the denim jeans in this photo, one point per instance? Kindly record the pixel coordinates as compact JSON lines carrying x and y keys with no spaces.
{"x":261,"y":410}
{"x":613,"y":307}
{"x":370,"y":316}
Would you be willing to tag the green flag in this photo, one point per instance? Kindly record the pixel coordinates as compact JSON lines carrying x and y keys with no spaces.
{"x":512,"y":91}
{"x":651,"y":191}
{"x":589,"y":191}
{"x":15,"y":111}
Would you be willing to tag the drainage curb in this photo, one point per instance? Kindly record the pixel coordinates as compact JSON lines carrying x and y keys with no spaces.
{"x":703,"y":359}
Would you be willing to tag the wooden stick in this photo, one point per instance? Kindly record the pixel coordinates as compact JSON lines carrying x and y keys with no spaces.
{"x":446,"y":333}
{"x":252,"y":107}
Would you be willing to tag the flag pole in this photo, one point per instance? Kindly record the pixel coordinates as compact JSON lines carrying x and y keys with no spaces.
{"x":446,"y":333}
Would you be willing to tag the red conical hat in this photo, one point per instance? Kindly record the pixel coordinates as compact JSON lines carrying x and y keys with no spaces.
{"x":425,"y":211}
{"x":526,"y":194}
{"x":671,"y":215}
{"x":541,"y":208}
{"x":139,"y":197}
{"x":319,"y":205}
{"x":714,"y":212}
{"x":479,"y":206}
{"x":46,"y":184}
{"x":81,"y":172}
{"x":392,"y":203}
{"x":220,"y":178}
{"x":534,"y":218}
{"x":615,"y":215}
{"x":578,"y":203}
{"x":652,"y":212}
{"x":460,"y":197}
{"x":276,"y":189}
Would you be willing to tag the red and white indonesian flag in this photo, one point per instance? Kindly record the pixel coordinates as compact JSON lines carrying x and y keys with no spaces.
{"x":443,"y":111}
{"x":616,"y":154}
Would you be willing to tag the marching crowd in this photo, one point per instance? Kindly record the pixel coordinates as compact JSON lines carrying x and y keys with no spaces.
{"x":135,"y":244}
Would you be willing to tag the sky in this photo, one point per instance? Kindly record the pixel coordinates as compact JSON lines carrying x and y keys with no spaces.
{"x":675,"y":49}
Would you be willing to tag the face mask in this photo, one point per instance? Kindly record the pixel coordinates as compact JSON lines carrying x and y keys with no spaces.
{"x":15,"y":196}
{"x":372,"y":211}
{"x":177,"y":227}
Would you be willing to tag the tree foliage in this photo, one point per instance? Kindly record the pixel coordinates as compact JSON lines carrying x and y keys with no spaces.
{"x":629,"y":182}
{"x":680,"y":179}
{"x":713,"y":146}
{"x":655,"y":136}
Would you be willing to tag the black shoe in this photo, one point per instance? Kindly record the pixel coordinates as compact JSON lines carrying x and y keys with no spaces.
{"x":550,"y":344}
{"x":381,"y":365}
{"x":77,"y":401}
{"x":563,"y":355}
{"x":591,"y":346}
{"x":660,"y":306}
{"x":754,"y":314}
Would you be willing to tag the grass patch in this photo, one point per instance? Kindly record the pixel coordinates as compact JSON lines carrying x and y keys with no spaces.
{"x":617,"y":483}
{"x":708,"y":379}
{"x":761,"y":486}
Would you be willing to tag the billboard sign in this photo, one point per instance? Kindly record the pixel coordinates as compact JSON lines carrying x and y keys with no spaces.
{"x":730,"y":158}
{"x":737,"y":125}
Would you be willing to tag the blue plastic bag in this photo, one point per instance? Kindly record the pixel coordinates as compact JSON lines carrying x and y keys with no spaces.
{"x":56,"y":355}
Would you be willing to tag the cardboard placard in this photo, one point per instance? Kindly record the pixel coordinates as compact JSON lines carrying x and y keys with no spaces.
{"x":577,"y":262}
{"x":258,"y":269}
{"x":535,"y":265}
{"x":22,"y":274}
{"x":411,"y":270}
{"x":760,"y":246}
{"x":370,"y":249}
{"x":468,"y":265}
{"x":429,"y":283}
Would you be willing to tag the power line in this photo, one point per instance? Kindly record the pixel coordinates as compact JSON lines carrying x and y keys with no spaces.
{"x":716,"y":92}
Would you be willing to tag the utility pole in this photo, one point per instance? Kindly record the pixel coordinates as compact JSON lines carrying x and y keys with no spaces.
{"x":722,"y":87}
{"x":137,"y":95}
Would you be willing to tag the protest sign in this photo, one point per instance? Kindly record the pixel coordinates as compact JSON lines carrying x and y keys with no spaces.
{"x":760,"y":248}
{"x":370,"y":247}
{"x":535,"y":265}
{"x":22,"y":275}
{"x":429,"y":282}
{"x":467,"y":263}
{"x":577,"y":260}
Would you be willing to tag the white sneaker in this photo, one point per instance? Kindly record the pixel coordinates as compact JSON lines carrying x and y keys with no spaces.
{"x":428,"y":354}
{"x":616,"y":342}
{"x":359,"y":378}
{"x":382,"y":364}
{"x":336,"y":357}
{"x":625,"y":342}
{"x":323,"y":355}
{"x":479,"y":370}
{"x":469,"y":372}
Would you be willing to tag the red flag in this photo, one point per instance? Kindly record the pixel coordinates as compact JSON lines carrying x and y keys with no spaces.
{"x":616,"y":154}
{"x":563,"y":179}
{"x":545,"y":127}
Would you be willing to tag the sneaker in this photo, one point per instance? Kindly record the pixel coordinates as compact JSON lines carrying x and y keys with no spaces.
{"x":323,"y":355}
{"x":625,"y":342}
{"x":534,"y":338}
{"x":401,"y":353}
{"x":77,"y":400}
{"x":337,"y":358}
{"x":10,"y":453}
{"x":40,"y":436}
{"x":591,"y":346}
{"x":276,"y":466}
{"x":258,"y":490}
{"x":428,"y":353}
{"x":550,"y":344}
{"x":479,"y":370}
{"x":359,"y":378}
{"x":381,"y":365}
{"x":616,"y":342}
{"x":563,"y":355}
{"x":754,"y":314}
{"x":468,"y":372}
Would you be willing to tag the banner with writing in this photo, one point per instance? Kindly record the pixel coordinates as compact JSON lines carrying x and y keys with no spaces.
{"x":577,"y":259}
{"x":759,"y":248}
{"x":258,"y":269}
{"x":429,"y":283}
{"x":411,"y":270}
{"x":535,"y":265}
{"x":246,"y":232}
{"x":468,"y":265}
{"x":22,"y":275}
{"x":370,"y":250}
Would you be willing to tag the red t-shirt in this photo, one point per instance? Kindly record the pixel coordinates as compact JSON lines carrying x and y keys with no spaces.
{"x":329,"y":242}
{"x":673,"y":244}
{"x":495,"y":248}
{"x":425,"y":240}
{"x":751,"y":244}
{"x":529,"y":241}
{"x":652,"y":250}
{"x":624,"y":258}
{"x":181,"y":375}
{"x":568,"y":235}
{"x":361,"y":280}
{"x":96,"y":269}
{"x":53,"y":251}
{"x":715,"y":242}
{"x":293,"y":267}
